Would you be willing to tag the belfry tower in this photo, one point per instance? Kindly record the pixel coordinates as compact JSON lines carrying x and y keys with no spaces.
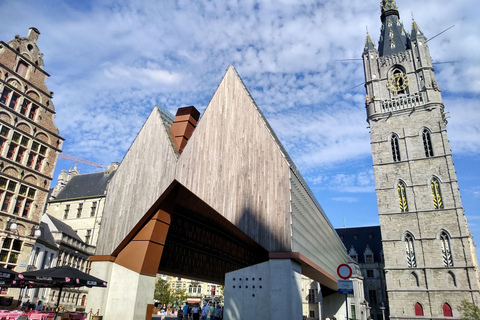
{"x":430,"y":262}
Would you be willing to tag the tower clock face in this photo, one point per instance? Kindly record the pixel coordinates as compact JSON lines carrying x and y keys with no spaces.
{"x":397,"y":82}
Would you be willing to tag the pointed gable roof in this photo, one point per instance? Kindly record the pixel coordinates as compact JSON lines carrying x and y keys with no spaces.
{"x":233,"y":165}
{"x":145,"y":172}
{"x":56,"y":225}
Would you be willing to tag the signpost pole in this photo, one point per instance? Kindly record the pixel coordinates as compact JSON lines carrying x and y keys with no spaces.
{"x":346,"y":305}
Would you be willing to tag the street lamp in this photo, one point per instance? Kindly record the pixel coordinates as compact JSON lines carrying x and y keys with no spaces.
{"x":383,"y":311}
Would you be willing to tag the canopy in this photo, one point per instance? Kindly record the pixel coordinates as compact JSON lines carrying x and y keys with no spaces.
{"x":58,"y":277}
{"x":7,"y":273}
{"x":61,"y":277}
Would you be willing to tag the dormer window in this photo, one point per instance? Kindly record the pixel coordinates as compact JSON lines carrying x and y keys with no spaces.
{"x":22,"y":69}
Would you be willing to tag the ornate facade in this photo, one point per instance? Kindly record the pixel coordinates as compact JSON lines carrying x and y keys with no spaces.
{"x":29,"y":144}
{"x":430,"y":262}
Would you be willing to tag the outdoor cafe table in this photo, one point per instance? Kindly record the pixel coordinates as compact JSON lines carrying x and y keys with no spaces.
{"x":40,"y":316}
{"x":16,"y":314}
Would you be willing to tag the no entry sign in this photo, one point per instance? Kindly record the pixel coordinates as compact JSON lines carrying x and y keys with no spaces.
{"x":344,"y":271}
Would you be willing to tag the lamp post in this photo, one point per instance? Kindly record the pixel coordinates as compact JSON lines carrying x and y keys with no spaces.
{"x":383,"y":311}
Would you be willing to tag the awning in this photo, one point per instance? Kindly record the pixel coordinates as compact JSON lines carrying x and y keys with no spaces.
{"x":193,"y":300}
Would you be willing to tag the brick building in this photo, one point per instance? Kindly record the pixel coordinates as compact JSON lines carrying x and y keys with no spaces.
{"x":29,"y":144}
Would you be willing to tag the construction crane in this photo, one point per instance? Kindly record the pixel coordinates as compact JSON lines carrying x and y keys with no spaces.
{"x":80,"y":160}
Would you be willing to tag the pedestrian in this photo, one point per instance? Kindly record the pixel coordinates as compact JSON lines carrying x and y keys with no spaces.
{"x":39,"y":306}
{"x":212,"y":311}
{"x":205,"y":310}
{"x":25,"y":304}
{"x":333,"y":318}
{"x":180,"y":314}
{"x":327,"y":318}
{"x":163,"y":311}
{"x":185,"y":311}
{"x":218,"y":313}
{"x":196,"y":312}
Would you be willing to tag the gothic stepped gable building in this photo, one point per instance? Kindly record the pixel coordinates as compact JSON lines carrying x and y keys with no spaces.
{"x":364,"y":246}
{"x":78,"y":200}
{"x":430,"y":262}
{"x":29,"y":144}
{"x":199,"y":198}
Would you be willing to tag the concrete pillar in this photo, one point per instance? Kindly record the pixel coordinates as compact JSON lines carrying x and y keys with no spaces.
{"x":127,"y":295}
{"x":131,"y":274}
{"x":270,"y":290}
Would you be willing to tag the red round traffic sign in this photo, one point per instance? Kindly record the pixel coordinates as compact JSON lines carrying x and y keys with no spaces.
{"x":344,"y":271}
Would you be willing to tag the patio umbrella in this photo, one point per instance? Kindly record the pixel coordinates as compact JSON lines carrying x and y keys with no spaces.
{"x":7,"y":273}
{"x":60,"y":277}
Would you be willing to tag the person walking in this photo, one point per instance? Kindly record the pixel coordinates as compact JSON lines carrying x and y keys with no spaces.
{"x":185,"y":311}
{"x":205,"y":311}
{"x":212,"y":311}
{"x":218,"y":313}
{"x":196,"y":312}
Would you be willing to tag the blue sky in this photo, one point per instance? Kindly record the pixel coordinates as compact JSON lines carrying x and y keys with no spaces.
{"x":112,"y":61}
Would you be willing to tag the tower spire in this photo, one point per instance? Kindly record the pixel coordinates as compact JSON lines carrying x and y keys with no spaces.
{"x":415,"y":29}
{"x":389,"y":7}
{"x":369,"y":45}
{"x":393,"y":38}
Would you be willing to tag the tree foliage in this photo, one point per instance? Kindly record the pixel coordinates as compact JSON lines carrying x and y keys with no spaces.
{"x":179,"y":297}
{"x":163,"y":293}
{"x":469,"y":311}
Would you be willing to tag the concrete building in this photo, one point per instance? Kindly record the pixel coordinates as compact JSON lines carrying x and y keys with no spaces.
{"x":430,"y":262}
{"x":208,"y":199}
{"x":364,"y":246}
{"x":78,"y":200}
{"x":29,"y":144}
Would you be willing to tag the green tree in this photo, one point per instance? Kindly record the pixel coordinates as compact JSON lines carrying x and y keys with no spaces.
{"x":163,"y":293}
{"x":179,"y":297}
{"x":469,"y":310}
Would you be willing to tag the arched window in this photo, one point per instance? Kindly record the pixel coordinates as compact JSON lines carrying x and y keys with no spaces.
{"x":418,"y":309}
{"x":372,"y":295}
{"x":447,"y":310}
{"x":436,"y":194}
{"x":427,"y":143}
{"x":452,"y":282}
{"x":410,"y":251}
{"x":446,"y":250}
{"x":414,"y":280}
{"x":395,"y":147}
{"x":402,"y":196}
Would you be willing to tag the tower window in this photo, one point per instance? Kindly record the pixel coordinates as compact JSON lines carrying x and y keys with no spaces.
{"x":410,"y":251}
{"x":436,"y":194}
{"x":446,"y":250}
{"x":414,"y":280}
{"x":372,"y":295}
{"x":395,"y":148}
{"x":427,"y":143}
{"x":402,"y":196}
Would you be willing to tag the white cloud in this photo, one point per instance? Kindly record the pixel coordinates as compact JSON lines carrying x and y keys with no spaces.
{"x":112,"y":61}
